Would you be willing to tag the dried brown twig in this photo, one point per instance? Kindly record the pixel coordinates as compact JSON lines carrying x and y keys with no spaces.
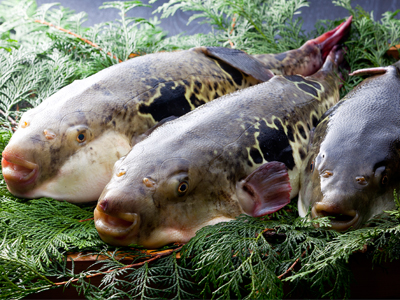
{"x":155,"y":257}
{"x":230,"y":32}
{"x":77,"y":36}
{"x":293,"y":265}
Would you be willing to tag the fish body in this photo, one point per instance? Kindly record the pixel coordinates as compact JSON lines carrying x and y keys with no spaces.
{"x":65,"y":148}
{"x":237,"y":154}
{"x":353,"y":165}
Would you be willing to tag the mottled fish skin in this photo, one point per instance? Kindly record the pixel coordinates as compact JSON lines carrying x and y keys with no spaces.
{"x":353,"y":164}
{"x":66,"y":147}
{"x":119,"y":103}
{"x":209,"y":150}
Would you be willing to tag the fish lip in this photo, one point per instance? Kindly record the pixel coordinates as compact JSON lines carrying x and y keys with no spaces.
{"x":339,"y":225}
{"x":122,"y":234}
{"x":19,"y":174}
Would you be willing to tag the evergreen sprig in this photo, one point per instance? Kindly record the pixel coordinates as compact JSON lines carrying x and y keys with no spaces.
{"x":255,"y":26}
{"x":45,"y":48}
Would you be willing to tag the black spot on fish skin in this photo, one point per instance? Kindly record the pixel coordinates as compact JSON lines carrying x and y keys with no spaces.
{"x":198,"y":84}
{"x":300,"y":128}
{"x":294,"y":78}
{"x":290,"y":133}
{"x":314,"y":121}
{"x":196,"y":101}
{"x":172,"y":102}
{"x":315,"y":84}
{"x":215,"y":85}
{"x":256,"y":155}
{"x":302,"y":154}
{"x":274,"y":144}
{"x":281,"y":56}
{"x":107,"y":119}
{"x":236,"y":75}
{"x":308,"y":89}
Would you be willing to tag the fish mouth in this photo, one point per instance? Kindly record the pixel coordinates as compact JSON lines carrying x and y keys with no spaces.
{"x":341,"y":219}
{"x":19,"y":174}
{"x":120,"y":230}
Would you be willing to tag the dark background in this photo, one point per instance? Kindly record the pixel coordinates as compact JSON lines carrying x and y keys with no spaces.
{"x":318,"y":9}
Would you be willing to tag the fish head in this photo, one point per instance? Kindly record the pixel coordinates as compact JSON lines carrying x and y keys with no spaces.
{"x":162,"y":192}
{"x":349,"y":181}
{"x":62,"y":150}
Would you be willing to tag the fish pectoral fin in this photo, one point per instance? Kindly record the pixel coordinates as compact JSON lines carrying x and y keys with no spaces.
{"x":239,"y":60}
{"x":266,"y":190}
{"x":144,"y":135}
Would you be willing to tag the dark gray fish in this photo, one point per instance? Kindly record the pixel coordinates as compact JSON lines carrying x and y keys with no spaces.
{"x":353,"y":164}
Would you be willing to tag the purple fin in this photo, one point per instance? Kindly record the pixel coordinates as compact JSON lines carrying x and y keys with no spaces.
{"x":266,"y":190}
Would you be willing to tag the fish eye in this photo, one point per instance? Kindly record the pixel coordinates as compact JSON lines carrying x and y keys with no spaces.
{"x":385,"y":179}
{"x":81,"y":137}
{"x":183,"y":187}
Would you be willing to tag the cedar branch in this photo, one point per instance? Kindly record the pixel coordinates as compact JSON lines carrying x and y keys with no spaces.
{"x":293,"y":265}
{"x":155,"y":257}
{"x":77,"y":36}
{"x":12,"y":121}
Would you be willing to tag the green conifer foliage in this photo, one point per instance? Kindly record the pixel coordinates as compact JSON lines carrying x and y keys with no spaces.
{"x":43,"y":49}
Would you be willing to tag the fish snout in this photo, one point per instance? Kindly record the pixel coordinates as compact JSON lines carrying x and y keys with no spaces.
{"x":342,"y":219}
{"x":115,"y":228}
{"x":20,"y":174}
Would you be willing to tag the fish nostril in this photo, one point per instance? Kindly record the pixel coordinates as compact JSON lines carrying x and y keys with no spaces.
{"x":361,"y":180}
{"x":49,"y":134}
{"x":327,"y":174}
{"x":103,"y":204}
{"x":148,"y":182}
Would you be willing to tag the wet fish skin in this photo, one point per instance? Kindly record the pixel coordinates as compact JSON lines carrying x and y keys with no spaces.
{"x":353,"y":165}
{"x":210,"y":153}
{"x":66,"y":147}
